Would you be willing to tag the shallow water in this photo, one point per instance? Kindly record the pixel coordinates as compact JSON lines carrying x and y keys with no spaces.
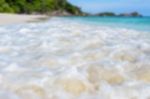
{"x":64,"y":59}
{"x":138,"y":23}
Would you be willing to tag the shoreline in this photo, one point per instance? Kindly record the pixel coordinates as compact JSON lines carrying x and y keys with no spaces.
{"x":6,"y":19}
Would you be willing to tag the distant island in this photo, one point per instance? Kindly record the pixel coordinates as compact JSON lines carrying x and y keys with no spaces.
{"x":132,"y":14}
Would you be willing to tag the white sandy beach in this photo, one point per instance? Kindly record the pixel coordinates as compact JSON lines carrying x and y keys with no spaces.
{"x":16,"y":18}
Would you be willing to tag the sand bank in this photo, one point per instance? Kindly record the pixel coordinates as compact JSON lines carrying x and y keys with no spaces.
{"x":16,"y":18}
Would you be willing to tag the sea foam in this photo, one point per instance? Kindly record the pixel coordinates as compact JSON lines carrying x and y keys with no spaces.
{"x":64,"y":59}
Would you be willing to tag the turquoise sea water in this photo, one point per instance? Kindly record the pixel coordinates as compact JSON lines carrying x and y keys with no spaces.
{"x":138,"y":23}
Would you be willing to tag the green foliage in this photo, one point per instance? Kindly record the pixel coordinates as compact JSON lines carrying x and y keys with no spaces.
{"x":4,"y":7}
{"x":37,"y":6}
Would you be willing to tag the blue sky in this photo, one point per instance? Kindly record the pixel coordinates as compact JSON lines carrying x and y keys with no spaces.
{"x":117,"y":6}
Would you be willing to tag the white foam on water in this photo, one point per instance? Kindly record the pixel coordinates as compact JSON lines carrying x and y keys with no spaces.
{"x":63,"y":59}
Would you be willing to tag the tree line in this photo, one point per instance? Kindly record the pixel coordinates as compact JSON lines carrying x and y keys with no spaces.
{"x":37,"y":6}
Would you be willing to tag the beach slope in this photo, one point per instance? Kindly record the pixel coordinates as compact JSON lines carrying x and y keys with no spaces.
{"x":17,"y":18}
